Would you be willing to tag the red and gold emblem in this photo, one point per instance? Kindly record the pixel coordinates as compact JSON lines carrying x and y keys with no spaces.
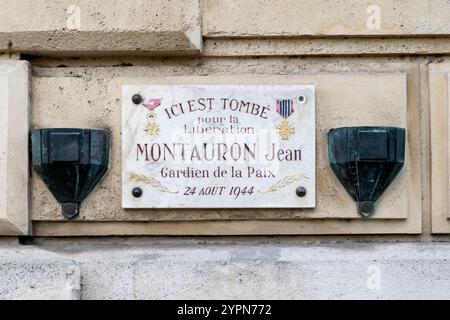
{"x":152,"y":127}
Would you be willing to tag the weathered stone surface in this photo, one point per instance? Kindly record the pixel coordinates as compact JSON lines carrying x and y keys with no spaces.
{"x":63,"y":27}
{"x":288,"y":18}
{"x":324,"y":46}
{"x":439,"y":86}
{"x":90,"y":97}
{"x":14,"y":125}
{"x":33,"y":273}
{"x":171,"y":270}
{"x":9,"y":56}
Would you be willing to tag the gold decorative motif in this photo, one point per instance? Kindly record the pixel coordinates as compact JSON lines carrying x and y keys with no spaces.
{"x":280,"y":184}
{"x":285,"y":131}
{"x":152,"y":127}
{"x":152,"y":181}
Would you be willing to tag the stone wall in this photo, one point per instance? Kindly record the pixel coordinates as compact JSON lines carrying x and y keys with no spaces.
{"x":384,"y":62}
{"x":170,"y":269}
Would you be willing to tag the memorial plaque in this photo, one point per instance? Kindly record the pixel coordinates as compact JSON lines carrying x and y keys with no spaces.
{"x":218,"y":146}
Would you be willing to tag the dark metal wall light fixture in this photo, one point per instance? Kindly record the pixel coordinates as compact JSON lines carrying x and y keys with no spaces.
{"x":71,"y":162}
{"x":366,"y":160}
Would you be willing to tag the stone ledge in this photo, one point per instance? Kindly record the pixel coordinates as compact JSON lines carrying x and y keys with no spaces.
{"x":33,"y":273}
{"x":174,"y":270}
{"x":153,"y":27}
{"x":350,"y":46}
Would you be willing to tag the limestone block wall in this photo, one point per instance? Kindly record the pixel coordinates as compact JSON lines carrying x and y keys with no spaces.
{"x":109,"y":27}
{"x":372,"y":63}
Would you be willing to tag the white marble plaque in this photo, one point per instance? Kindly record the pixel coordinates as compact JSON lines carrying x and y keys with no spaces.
{"x":218,"y":146}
